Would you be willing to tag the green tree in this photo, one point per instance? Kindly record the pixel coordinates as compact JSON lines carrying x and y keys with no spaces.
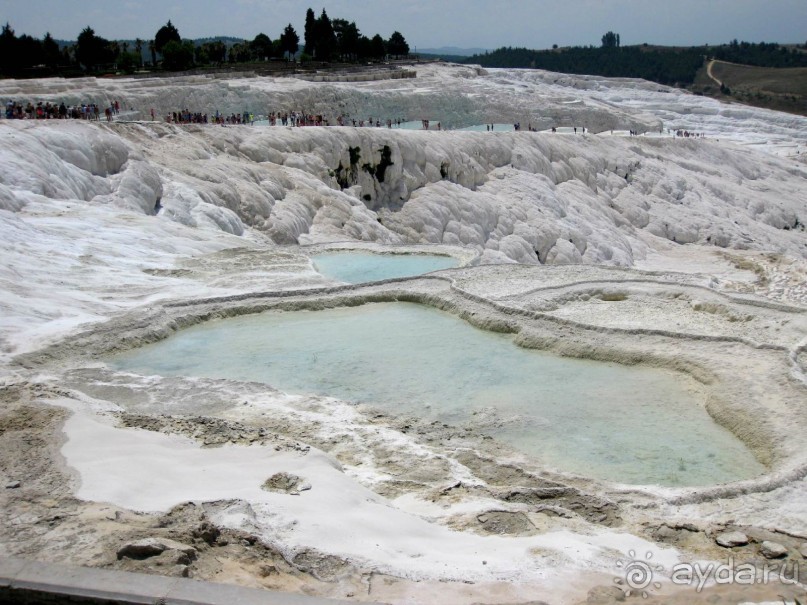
{"x":178,"y":56}
{"x":240,"y":53}
{"x":326,"y":38}
{"x":92,"y":50}
{"x":277,"y":50}
{"x":261,"y":47}
{"x":347,"y":38}
{"x":139,"y":51}
{"x":68,"y":55}
{"x":378,"y":49}
{"x":128,"y":62}
{"x":610,"y":40}
{"x":50,"y":50}
{"x":397,"y":45}
{"x":212,"y":52}
{"x":8,"y":49}
{"x":164,"y":35}
{"x":364,"y":48}
{"x":201,"y":56}
{"x":289,"y":41}
{"x":310,"y":33}
{"x":29,"y":51}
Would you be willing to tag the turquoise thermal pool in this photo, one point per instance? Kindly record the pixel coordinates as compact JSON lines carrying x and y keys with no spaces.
{"x":628,"y":424}
{"x":360,"y":267}
{"x":484,"y":128}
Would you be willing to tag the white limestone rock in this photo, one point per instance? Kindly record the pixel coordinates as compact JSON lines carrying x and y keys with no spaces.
{"x":9,"y":201}
{"x":731,"y":539}
{"x":608,"y":196}
{"x":772,"y":550}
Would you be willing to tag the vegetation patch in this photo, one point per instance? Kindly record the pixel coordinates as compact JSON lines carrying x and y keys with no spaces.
{"x":346,"y":177}
{"x":379,"y":170}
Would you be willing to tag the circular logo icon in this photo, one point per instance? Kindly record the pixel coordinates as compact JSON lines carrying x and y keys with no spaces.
{"x":637,"y":575}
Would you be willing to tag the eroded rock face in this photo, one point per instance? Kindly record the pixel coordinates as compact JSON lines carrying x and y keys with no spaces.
{"x":522,"y":196}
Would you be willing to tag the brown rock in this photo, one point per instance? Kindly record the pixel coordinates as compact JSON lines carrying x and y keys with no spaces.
{"x":151,"y":547}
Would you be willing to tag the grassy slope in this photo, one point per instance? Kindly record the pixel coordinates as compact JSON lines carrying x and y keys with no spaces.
{"x":783,"y":89}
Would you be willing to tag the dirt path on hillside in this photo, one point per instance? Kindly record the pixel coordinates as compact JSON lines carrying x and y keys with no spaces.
{"x":710,"y":74}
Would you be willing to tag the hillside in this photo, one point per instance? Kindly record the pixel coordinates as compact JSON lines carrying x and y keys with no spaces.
{"x":782,"y":89}
{"x":764,"y":75}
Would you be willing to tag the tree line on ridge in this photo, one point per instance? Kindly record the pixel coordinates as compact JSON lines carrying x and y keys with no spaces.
{"x":325,"y":40}
{"x":674,"y":66}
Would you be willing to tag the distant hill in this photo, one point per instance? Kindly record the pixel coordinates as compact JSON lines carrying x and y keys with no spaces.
{"x":228,"y":40}
{"x":780,"y":88}
{"x":451,"y":51}
{"x":668,"y":66}
{"x":763,"y":74}
{"x":676,"y":66}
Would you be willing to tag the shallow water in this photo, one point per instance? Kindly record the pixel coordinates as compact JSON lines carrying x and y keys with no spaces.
{"x":628,"y":424}
{"x":360,"y":267}
{"x":485,"y":127}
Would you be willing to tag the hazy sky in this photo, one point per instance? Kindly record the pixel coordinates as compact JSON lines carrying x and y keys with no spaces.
{"x":430,"y":23}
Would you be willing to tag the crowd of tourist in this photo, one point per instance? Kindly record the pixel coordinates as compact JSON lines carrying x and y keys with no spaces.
{"x":686,"y":134}
{"x":51,"y":111}
{"x":303,"y":118}
{"x":90,"y":111}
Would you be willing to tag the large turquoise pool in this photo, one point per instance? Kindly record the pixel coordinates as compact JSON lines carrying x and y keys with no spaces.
{"x":628,"y":424}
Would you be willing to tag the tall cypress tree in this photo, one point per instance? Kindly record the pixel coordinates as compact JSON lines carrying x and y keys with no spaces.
{"x":310,"y":33}
{"x":326,"y":38}
{"x":8,"y":49}
{"x":51,"y":51}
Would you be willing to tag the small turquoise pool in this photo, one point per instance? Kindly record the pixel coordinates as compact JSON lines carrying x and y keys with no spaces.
{"x":361,"y":267}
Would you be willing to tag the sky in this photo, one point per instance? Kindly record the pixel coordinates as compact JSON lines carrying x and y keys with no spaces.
{"x":430,"y":23}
